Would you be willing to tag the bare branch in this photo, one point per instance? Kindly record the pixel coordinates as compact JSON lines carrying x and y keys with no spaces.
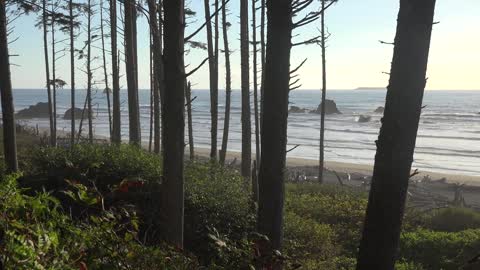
{"x":197,"y":68}
{"x":298,"y":67}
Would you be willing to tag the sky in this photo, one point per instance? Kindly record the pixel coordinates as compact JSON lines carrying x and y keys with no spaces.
{"x":355,"y":57}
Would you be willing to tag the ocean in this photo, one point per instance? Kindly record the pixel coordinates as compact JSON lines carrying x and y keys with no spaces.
{"x":448,"y":138}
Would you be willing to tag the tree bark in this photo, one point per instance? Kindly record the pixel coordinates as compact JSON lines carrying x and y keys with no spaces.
{"x":255,"y":83}
{"x":396,"y":141}
{"x":213,"y":71}
{"x":228,"y":84}
{"x":53,"y":131}
{"x":158,"y":86}
{"x":72,"y":75}
{"x":174,"y":121}
{"x":131,"y":70}
{"x":54,"y":76}
{"x":321,"y":165}
{"x":8,"y":116}
{"x":116,"y":118}
{"x":188,"y":99}
{"x":89,"y":72}
{"x":274,"y":134}
{"x":105,"y":73}
{"x":245,"y":81}
{"x":262,"y":52}
{"x":152,"y":90}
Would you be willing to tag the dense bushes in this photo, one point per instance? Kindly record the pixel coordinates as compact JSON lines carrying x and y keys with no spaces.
{"x":440,"y":250}
{"x":453,"y":219}
{"x":322,"y":222}
{"x":39,"y":235}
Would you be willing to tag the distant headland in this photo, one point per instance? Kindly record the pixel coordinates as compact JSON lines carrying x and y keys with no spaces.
{"x":371,"y":88}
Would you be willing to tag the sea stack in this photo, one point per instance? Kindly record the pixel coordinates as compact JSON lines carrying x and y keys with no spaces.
{"x":379,"y":110}
{"x":39,"y":110}
{"x":330,"y":108}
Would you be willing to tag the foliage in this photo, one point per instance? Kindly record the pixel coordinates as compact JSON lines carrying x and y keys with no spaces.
{"x":340,"y":207}
{"x":219,"y":216}
{"x":453,"y":219}
{"x":307,"y":242}
{"x":38,"y":235}
{"x":106,"y":165}
{"x":440,"y":250}
{"x":322,"y":222}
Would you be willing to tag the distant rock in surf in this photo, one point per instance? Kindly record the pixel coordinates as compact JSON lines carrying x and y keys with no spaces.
{"x":379,"y":110}
{"x":39,"y":110}
{"x":78,"y":114}
{"x":330,"y":108}
{"x":364,"y":118}
{"x":296,"y":109}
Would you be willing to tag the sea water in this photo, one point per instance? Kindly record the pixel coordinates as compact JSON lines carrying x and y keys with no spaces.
{"x":448,"y":138}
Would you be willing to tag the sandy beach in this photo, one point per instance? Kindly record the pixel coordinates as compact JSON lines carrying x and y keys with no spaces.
{"x":356,"y":169}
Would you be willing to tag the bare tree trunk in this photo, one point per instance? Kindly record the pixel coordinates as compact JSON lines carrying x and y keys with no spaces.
{"x":105,"y":73}
{"x":72,"y":75}
{"x":116,"y":121}
{"x":213,"y":71}
{"x":131,"y":70}
{"x":324,"y":93}
{"x":89,"y":72}
{"x":188,"y":97}
{"x":152,"y":90}
{"x":158,"y":82}
{"x":8,"y":116}
{"x":274,"y":134}
{"x":255,"y":83}
{"x":54,"y":77}
{"x":53,"y":131}
{"x":80,"y":125}
{"x":228,"y":84}
{"x":262,"y":52}
{"x":174,"y":121}
{"x":396,"y":141}
{"x":245,"y":81}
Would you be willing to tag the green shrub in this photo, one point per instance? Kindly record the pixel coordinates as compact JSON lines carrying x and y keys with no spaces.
{"x":340,"y":207}
{"x":38,"y":235}
{"x":308,"y":242}
{"x":217,"y":202}
{"x":439,"y":250}
{"x":104,"y":164}
{"x":453,"y":219}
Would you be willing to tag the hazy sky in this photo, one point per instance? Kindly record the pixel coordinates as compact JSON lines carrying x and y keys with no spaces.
{"x":354,"y":55}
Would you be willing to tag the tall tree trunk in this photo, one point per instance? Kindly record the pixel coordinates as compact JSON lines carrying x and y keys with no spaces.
{"x":228,"y":84}
{"x":89,"y":73}
{"x":262,"y":56}
{"x":396,"y":141}
{"x":174,"y":120}
{"x":156,"y":31}
{"x":54,"y":76}
{"x":53,"y":131}
{"x":72,"y":75}
{"x":105,"y":73}
{"x":131,"y":70}
{"x":116,"y":121}
{"x":188,"y":98}
{"x":9,"y":137}
{"x":255,"y":83}
{"x":152,"y":90}
{"x":245,"y":81}
{"x":274,"y":134}
{"x":212,"y":66}
{"x":324,"y":93}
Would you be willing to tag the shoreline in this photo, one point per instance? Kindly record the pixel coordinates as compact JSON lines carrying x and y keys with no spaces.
{"x":352,"y":168}
{"x":360,"y":170}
